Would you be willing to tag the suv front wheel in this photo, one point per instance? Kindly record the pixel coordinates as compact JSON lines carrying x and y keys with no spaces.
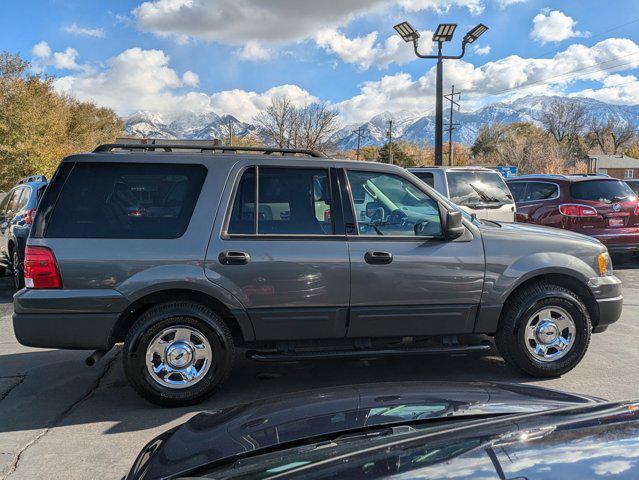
{"x":178,"y":354}
{"x":544,"y":330}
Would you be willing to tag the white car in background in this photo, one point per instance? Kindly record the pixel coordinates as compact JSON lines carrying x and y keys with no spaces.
{"x":477,"y":190}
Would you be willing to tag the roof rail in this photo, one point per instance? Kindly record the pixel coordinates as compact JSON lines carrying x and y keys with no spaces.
{"x":169,"y":147}
{"x":541,"y":175}
{"x":32,"y":178}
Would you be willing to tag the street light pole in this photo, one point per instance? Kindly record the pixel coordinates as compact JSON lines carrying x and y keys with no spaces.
{"x":444,"y":33}
{"x":439,"y":124}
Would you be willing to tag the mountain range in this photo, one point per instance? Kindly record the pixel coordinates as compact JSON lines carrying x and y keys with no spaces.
{"x":416,"y":127}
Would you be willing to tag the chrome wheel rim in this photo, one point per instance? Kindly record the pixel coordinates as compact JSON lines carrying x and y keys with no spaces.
{"x":550,"y":334}
{"x":179,"y":357}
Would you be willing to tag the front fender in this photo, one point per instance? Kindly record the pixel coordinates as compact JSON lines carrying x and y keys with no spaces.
{"x":502,"y":279}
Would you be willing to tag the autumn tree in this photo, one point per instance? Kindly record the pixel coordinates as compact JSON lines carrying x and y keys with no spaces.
{"x":38,"y":126}
{"x":610,"y":135}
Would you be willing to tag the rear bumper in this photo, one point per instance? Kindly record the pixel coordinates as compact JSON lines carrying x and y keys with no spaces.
{"x":619,"y":242}
{"x":75,"y":319}
{"x":83,"y":331}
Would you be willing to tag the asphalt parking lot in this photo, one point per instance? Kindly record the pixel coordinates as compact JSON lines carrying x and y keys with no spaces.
{"x":61,"y":419}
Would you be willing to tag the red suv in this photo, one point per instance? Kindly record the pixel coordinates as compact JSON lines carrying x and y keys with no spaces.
{"x":602,"y":207}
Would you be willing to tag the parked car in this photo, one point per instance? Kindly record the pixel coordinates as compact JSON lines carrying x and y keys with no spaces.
{"x":476,"y":190}
{"x":602,"y":207}
{"x":17,"y":210}
{"x":634,"y":184}
{"x":413,"y":430}
{"x":292,"y":258}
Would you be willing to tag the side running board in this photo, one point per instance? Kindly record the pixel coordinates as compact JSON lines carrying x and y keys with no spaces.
{"x":261,"y":356}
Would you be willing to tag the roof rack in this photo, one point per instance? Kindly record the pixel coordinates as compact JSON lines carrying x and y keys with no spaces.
{"x":170,"y":147}
{"x":32,"y":178}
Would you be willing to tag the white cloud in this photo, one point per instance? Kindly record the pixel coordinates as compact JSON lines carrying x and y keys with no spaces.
{"x":365,"y":51}
{"x":41,"y":50}
{"x":190,"y":78}
{"x":246,"y":105}
{"x":484,"y":50}
{"x":553,"y":26}
{"x":43,"y":57}
{"x":400,"y":92}
{"x":616,"y":89}
{"x":84,"y":31}
{"x":278,"y":21}
{"x":507,"y":3}
{"x":254,"y":51}
{"x":139,"y":79}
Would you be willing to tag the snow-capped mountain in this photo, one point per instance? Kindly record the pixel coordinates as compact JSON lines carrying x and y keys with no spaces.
{"x":413,"y":126}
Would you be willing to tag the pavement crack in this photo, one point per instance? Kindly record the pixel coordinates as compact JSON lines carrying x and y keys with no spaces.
{"x":13,"y":466}
{"x":20,"y":379}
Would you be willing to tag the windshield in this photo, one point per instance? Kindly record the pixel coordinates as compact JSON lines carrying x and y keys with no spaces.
{"x":476,"y":188}
{"x":605,"y":191}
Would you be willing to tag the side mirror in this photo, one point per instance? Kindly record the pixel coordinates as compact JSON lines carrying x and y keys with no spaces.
{"x":453,"y":227}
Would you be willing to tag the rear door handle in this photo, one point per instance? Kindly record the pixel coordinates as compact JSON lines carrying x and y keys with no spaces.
{"x":234,"y":258}
{"x":378,"y":258}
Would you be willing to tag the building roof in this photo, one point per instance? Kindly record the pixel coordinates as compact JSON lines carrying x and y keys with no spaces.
{"x":613,"y":161}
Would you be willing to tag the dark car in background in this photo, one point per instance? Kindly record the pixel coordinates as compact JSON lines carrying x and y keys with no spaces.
{"x":602,"y":207}
{"x":17,"y":211}
{"x":403,"y":430}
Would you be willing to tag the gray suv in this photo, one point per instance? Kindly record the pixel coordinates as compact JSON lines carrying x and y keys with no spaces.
{"x":187,"y":254}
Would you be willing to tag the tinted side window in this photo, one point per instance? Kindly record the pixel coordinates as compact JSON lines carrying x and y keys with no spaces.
{"x":292,"y":201}
{"x":425,"y":177}
{"x":126,"y":200}
{"x":24,"y":198}
{"x":390,"y":205}
{"x":541,"y":191}
{"x":517,"y":189}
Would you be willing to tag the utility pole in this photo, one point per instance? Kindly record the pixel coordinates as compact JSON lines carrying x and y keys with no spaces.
{"x":390,"y":142}
{"x":358,"y":132}
{"x":451,"y":126}
{"x":230,"y":132}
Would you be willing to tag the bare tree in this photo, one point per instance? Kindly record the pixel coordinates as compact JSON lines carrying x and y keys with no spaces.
{"x":287,"y":126}
{"x":277,"y":121}
{"x":317,"y":124}
{"x":621,"y":133}
{"x":564,"y":119}
{"x":610,"y":135}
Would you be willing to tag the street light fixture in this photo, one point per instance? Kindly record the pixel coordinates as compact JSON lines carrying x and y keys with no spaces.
{"x":443,"y":33}
{"x":407,"y":32}
{"x":475,"y":33}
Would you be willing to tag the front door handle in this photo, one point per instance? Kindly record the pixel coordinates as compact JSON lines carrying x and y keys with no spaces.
{"x":234,"y":258}
{"x":378,"y":258}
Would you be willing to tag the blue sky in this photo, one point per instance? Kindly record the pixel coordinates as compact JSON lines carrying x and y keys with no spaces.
{"x":233,"y":56}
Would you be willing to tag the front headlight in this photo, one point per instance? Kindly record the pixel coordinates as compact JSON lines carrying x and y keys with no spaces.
{"x":604,"y":264}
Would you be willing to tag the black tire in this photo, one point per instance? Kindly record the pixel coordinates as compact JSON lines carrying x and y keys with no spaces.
{"x":161,"y":317}
{"x":510,"y":337}
{"x":18,"y":271}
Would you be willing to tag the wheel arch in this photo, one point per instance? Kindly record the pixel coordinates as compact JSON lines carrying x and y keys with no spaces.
{"x":571,"y":282}
{"x":237,"y":320}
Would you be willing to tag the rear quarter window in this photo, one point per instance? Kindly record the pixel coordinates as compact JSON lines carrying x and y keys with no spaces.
{"x":605,"y":191}
{"x":126,"y":200}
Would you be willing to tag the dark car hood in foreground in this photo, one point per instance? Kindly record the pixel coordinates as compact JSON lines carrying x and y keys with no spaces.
{"x":226,"y":434}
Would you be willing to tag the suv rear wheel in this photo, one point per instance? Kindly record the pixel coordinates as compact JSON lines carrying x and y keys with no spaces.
{"x":178,"y":354}
{"x":544,"y":331}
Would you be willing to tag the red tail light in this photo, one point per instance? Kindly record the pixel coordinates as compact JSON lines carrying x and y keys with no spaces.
{"x":28,"y":215}
{"x":575,"y":210}
{"x":637,"y":209}
{"x":40,"y":268}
